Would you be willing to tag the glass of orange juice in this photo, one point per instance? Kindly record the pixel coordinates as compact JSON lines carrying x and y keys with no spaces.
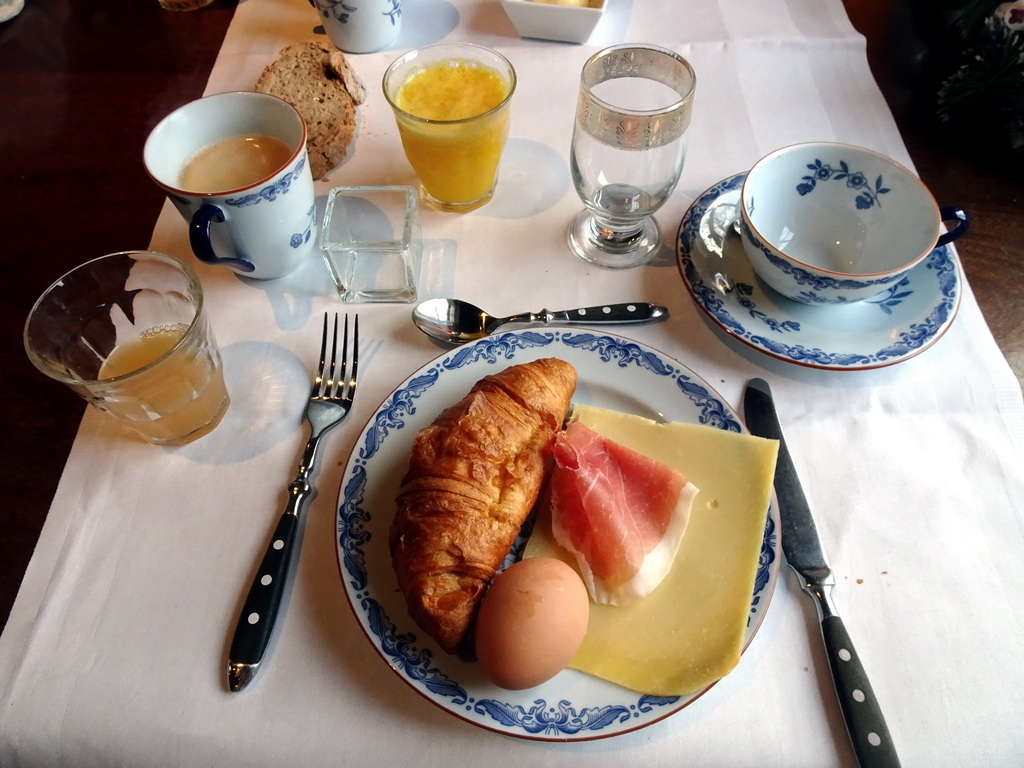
{"x":128,"y":332}
{"x":451,"y":103}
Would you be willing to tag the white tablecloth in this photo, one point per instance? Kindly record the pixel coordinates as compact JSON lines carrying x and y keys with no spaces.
{"x":114,"y":653}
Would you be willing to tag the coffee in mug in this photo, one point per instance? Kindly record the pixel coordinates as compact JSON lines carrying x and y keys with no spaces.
{"x":234,"y":162}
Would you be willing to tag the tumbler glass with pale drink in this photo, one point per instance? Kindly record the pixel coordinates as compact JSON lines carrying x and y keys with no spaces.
{"x":451,"y":103}
{"x":128,"y":333}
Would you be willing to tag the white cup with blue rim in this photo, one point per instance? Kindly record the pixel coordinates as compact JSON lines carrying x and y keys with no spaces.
{"x":360,"y":26}
{"x":830,"y":223}
{"x":255,"y":212}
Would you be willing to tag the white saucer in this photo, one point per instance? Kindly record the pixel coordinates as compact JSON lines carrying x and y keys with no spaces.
{"x":892,"y":327}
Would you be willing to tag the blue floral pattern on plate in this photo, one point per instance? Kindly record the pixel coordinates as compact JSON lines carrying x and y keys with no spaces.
{"x":615,"y":372}
{"x":904,"y":320}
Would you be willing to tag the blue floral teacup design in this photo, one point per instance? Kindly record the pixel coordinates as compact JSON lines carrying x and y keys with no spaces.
{"x":827,"y":223}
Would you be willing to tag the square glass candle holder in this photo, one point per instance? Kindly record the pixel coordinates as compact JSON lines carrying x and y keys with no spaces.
{"x":370,"y":240}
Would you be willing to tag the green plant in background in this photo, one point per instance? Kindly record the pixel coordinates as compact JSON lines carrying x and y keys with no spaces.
{"x":986,"y":89}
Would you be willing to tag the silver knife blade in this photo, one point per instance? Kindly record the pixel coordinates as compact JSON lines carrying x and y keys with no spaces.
{"x":800,"y":541}
{"x":805,"y":555}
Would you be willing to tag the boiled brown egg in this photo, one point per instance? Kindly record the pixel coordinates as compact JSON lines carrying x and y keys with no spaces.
{"x":531,"y":622}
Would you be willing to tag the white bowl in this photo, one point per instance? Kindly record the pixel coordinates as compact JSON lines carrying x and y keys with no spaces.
{"x":571,"y":24}
{"x":827,"y":223}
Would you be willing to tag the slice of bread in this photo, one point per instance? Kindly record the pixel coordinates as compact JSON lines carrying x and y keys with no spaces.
{"x":318,"y":81}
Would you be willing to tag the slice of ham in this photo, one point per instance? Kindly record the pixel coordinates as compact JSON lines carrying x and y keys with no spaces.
{"x":620,"y":513}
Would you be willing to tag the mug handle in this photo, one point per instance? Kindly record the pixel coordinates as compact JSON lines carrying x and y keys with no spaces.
{"x":963,"y":221}
{"x":199,"y":236}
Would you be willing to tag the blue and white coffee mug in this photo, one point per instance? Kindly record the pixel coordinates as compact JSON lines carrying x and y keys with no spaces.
{"x":262,"y":226}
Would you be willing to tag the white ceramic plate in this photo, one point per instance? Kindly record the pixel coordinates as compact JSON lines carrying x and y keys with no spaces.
{"x":613,"y":373}
{"x":898,"y":324}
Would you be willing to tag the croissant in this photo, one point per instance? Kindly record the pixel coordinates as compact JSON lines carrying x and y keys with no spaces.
{"x":473,"y":477}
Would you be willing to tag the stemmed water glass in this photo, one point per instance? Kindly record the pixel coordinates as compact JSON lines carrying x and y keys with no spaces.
{"x":628,"y":146}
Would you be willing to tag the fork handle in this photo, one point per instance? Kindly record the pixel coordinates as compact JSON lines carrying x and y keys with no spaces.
{"x":259,"y":613}
{"x":263,"y":602}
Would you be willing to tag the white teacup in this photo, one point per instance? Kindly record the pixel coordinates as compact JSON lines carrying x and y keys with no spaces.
{"x":236,"y":168}
{"x":361,"y":27}
{"x":827,"y":223}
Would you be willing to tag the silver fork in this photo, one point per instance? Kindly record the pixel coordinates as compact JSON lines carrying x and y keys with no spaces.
{"x":329,"y":403}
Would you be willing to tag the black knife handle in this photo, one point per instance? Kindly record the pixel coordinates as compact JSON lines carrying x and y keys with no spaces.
{"x":259,"y":614}
{"x":864,"y":721}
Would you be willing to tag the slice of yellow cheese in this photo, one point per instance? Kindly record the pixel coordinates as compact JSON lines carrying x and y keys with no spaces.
{"x":688,"y":633}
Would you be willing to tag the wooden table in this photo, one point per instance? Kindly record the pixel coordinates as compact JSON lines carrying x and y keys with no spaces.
{"x":83,"y":84}
{"x":960,"y":169}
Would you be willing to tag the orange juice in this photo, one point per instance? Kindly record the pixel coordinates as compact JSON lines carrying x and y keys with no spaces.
{"x":453,"y":119}
{"x":176,"y":400}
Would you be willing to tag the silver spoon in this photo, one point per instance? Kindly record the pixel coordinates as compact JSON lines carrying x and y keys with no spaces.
{"x":457,"y":322}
